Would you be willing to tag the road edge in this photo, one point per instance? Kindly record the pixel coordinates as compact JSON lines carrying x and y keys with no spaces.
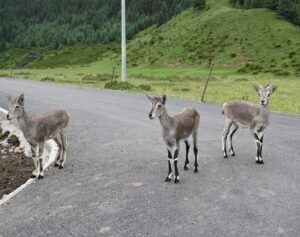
{"x":52,"y":148}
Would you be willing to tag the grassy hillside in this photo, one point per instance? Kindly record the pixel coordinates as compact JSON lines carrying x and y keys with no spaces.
{"x":253,"y":41}
{"x":246,"y":46}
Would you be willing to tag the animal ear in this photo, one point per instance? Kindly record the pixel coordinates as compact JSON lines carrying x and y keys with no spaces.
{"x":149,"y":97}
{"x":21,"y":99}
{"x":272,"y":89}
{"x":257,"y":88}
{"x":164,"y":99}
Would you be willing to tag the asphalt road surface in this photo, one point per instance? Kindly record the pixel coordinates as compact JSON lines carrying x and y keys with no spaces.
{"x":113,"y":181}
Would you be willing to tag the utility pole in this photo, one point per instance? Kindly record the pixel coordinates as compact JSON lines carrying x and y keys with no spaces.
{"x":123,"y":44}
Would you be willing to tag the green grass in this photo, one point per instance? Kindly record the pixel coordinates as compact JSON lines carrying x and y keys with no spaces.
{"x":253,"y":41}
{"x":246,"y":47}
{"x":224,"y":85}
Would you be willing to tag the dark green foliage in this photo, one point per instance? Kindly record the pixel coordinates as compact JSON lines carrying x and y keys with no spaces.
{"x":144,"y":87}
{"x":115,"y":85}
{"x":2,"y":44}
{"x":199,"y":4}
{"x":290,"y":9}
{"x":48,"y":79}
{"x":52,"y":23}
{"x":28,"y":59}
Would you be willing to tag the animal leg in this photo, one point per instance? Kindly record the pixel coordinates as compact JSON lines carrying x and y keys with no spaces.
{"x":187,"y":146}
{"x":35,"y":161}
{"x":228,"y":124}
{"x":40,"y":161}
{"x":260,"y":150}
{"x":235,"y":127}
{"x":176,"y":180}
{"x":259,"y":143}
{"x":59,"y":143}
{"x":64,"y":148}
{"x":169,"y":177}
{"x":195,"y":136}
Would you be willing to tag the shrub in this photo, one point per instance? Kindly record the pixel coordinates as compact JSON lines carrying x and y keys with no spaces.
{"x":47,"y":79}
{"x":282,"y":73}
{"x":144,"y":87}
{"x":199,"y":4}
{"x":115,"y":85}
{"x":292,"y":54}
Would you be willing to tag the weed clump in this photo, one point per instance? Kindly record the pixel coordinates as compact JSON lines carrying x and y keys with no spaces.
{"x":115,"y":85}
{"x":47,"y":79}
{"x":144,"y":87}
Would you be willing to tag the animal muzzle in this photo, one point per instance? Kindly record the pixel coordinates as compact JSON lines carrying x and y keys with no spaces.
{"x":151,"y":116}
{"x":8,"y":117}
{"x":262,"y":102}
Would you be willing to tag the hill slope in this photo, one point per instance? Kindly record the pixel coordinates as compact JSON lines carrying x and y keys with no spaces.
{"x":247,"y":41}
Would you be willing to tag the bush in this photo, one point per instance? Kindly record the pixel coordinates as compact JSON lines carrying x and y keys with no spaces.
{"x":47,"y":79}
{"x":115,"y":85}
{"x":144,"y":87}
{"x":281,"y":73}
{"x":199,"y":4}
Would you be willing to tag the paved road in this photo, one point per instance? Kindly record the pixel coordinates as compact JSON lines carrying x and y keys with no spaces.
{"x":113,"y":181}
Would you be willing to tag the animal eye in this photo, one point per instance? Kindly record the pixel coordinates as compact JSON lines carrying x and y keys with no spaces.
{"x":158,"y":106}
{"x":17,"y":106}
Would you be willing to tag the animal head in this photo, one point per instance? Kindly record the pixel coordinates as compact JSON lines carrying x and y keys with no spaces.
{"x":158,"y":106}
{"x":265,"y":93}
{"x":16,"y":107}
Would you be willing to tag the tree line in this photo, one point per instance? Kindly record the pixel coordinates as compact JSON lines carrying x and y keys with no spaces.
{"x":40,"y":23}
{"x":289,"y":9}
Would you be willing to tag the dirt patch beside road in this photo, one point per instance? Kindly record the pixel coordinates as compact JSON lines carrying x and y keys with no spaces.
{"x":15,"y":168}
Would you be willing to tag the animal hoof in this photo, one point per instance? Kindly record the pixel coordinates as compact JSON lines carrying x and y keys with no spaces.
{"x":257,"y":162}
{"x":33,"y":176}
{"x":186,"y":168}
{"x":225,"y":156}
{"x":168,"y":179}
{"x":41,"y":177}
{"x":60,"y":167}
{"x":261,"y":162}
{"x":233,"y":154}
{"x":176,"y":180}
{"x":196,"y":170}
{"x":56,"y":165}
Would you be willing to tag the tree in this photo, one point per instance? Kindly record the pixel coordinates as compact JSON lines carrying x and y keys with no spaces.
{"x":2,"y":44}
{"x":290,"y":10}
{"x":199,"y":4}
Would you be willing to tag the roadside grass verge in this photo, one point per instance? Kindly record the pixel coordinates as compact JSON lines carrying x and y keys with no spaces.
{"x":225,"y":85}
